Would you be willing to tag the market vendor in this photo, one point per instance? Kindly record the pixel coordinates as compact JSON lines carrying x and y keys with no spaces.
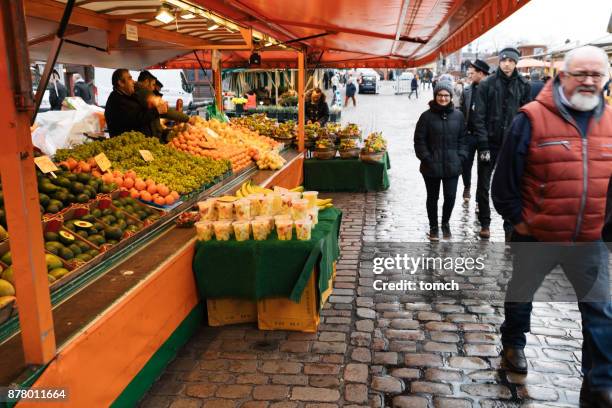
{"x":123,"y":111}
{"x":316,"y":107}
{"x":148,"y":91}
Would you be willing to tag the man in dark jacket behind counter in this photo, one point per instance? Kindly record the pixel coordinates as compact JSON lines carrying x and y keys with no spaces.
{"x":316,"y":108}
{"x":498,"y":99}
{"x":123,"y":111}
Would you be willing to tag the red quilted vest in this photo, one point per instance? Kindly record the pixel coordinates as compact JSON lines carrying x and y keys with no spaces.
{"x":566,"y":177}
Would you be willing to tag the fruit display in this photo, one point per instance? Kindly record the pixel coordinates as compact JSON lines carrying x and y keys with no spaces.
{"x":132,"y":207}
{"x":324,"y":143}
{"x":375,"y":143}
{"x":68,"y":246}
{"x":351,"y":130}
{"x":177,"y":170}
{"x":348,"y":144}
{"x":270,"y":160}
{"x":69,"y":188}
{"x":56,"y":269}
{"x":238,"y":144}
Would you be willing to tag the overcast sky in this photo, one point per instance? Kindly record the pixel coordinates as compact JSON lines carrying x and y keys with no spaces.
{"x":550,"y":22}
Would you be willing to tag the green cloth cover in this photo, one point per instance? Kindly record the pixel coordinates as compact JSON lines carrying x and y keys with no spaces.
{"x":272,"y":268}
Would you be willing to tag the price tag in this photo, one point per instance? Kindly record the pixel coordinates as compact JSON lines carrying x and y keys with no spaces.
{"x":45,"y":164}
{"x":211,"y":133}
{"x":146,"y":155}
{"x":102,"y":162}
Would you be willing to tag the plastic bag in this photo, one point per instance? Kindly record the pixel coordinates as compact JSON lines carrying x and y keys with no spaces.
{"x":63,"y":129}
{"x":214,"y":113}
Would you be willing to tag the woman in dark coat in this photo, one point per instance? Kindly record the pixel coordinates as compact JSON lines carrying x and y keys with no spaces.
{"x":440,"y":145}
{"x":316,"y":107}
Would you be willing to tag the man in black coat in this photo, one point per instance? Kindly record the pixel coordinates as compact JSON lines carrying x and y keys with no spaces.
{"x":57,"y":91}
{"x":124,"y":112}
{"x":536,"y":84}
{"x":83,"y":90}
{"x":477,"y":71}
{"x":498,"y":99}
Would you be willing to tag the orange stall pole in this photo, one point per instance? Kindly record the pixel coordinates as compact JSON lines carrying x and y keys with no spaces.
{"x":301,"y":100}
{"x":21,"y":190}
{"x":217,"y":81}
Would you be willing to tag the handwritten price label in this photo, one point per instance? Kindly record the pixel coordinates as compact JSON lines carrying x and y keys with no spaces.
{"x":146,"y":155}
{"x":45,"y":164}
{"x":102,"y":162}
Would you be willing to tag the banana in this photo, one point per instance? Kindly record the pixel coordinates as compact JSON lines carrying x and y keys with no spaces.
{"x":243,"y":190}
{"x":298,"y":189}
{"x":227,"y":199}
{"x":330,"y":205}
{"x":239,"y":193}
{"x":321,"y":202}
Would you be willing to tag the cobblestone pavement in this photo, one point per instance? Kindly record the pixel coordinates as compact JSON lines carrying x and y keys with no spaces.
{"x":386,"y":349}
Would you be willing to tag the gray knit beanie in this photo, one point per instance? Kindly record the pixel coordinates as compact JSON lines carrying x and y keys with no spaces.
{"x":444,"y":86}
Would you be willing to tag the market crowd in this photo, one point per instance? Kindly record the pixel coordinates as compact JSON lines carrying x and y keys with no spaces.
{"x":544,"y":148}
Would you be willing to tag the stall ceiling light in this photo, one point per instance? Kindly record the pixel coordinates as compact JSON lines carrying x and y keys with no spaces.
{"x":213,"y":27}
{"x":187,"y":15}
{"x":164,"y":14}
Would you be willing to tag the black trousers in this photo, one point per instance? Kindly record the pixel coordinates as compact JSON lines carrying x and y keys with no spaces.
{"x":466,"y":174}
{"x":485,"y":172}
{"x":449,"y":186}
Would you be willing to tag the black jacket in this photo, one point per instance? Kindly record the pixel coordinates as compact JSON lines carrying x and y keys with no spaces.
{"x":536,"y":87}
{"x":84,"y":91}
{"x":318,"y":112}
{"x":124,"y":113}
{"x":497,"y":100}
{"x":439,"y":141}
{"x":57,"y":94}
{"x":467,"y":106}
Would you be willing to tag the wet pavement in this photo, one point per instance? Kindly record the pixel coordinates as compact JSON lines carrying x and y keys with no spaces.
{"x":398,"y":349}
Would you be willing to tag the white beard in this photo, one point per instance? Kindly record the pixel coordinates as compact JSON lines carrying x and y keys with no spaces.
{"x":584,"y":103}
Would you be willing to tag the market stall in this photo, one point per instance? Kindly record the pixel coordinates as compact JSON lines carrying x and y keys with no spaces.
{"x":127,"y":309}
{"x":352,"y":175}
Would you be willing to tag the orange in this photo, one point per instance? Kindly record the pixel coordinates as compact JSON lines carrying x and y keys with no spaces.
{"x":152,"y":188}
{"x":145,"y":195}
{"x":159,"y":200}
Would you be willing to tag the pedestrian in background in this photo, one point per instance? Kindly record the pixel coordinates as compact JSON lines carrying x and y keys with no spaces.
{"x":477,"y":71}
{"x":536,"y":84}
{"x":552,"y":185}
{"x":350,"y":91}
{"x":57,"y":91}
{"x":83,"y":90}
{"x":498,"y":99}
{"x":439,"y":143}
{"x":414,"y":87}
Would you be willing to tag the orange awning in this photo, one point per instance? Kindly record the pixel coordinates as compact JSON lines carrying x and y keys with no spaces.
{"x":357,"y":33}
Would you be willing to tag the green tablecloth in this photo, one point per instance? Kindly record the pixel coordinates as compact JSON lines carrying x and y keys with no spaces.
{"x":272,"y":268}
{"x":346,"y":175}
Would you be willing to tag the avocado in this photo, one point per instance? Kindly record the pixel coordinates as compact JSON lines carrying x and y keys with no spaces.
{"x":113,"y":233}
{"x":7,"y":275}
{"x":82,"y":233}
{"x":82,"y":246}
{"x":47,"y":187}
{"x":51,"y":279}
{"x":96,"y":213}
{"x":84,"y":178}
{"x":104,"y":189}
{"x":43,"y":199}
{"x":76,"y":250}
{"x":120,"y":215}
{"x":83,"y":225}
{"x":97,"y":239}
{"x":7,"y":259}
{"x":70,"y":198}
{"x":59,"y":273}
{"x":84,"y":257}
{"x":62,"y":182}
{"x":93,"y":253}
{"x":117,"y":203}
{"x":88,"y":218}
{"x":72,"y":176}
{"x":51,"y":236}
{"x":66,"y":238}
{"x":82,"y":198}
{"x":99,"y":226}
{"x":141,"y":215}
{"x":132,"y":228}
{"x":53,"y":262}
{"x":51,"y":247}
{"x":57,"y":203}
{"x":121,"y":224}
{"x":112,"y":241}
{"x":107,"y":211}
{"x":66,"y":253}
{"x":77,"y":187}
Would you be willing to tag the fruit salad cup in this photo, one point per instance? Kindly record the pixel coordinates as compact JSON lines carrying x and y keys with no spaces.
{"x":267,"y":206}
{"x":277,"y":203}
{"x":311,"y":197}
{"x":299,"y":209}
{"x":261,"y":229}
{"x":313,"y":214}
{"x":242,"y":209}
{"x":223,"y":230}
{"x":225,"y":211}
{"x":208,"y":210}
{"x":303,"y":229}
{"x":204,"y":230}
{"x":269,"y":221}
{"x":284,"y":229}
{"x":286,"y":204}
{"x":242,"y":230}
{"x":255,"y":200}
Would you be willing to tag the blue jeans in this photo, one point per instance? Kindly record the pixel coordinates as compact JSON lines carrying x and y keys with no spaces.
{"x":586,"y":267}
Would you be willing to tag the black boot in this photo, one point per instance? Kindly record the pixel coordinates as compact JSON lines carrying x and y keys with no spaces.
{"x":513,"y":359}
{"x":433,"y":235}
{"x":446,"y":232}
{"x":594,"y":398}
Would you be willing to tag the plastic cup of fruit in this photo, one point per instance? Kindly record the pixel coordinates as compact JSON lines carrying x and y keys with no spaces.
{"x":303,"y":229}
{"x":208,"y":211}
{"x":284,"y":229}
{"x":204,"y":230}
{"x":311,"y":197}
{"x":242,"y":230}
{"x":277,"y":203}
{"x":223,"y":230}
{"x":295,"y":195}
{"x":269,"y":221}
{"x":242,"y":209}
{"x":313,"y":214}
{"x":225,"y":211}
{"x":261,"y":229}
{"x":299,"y":209}
{"x":286,"y":204}
{"x":255,"y":200}
{"x":267,"y":206}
